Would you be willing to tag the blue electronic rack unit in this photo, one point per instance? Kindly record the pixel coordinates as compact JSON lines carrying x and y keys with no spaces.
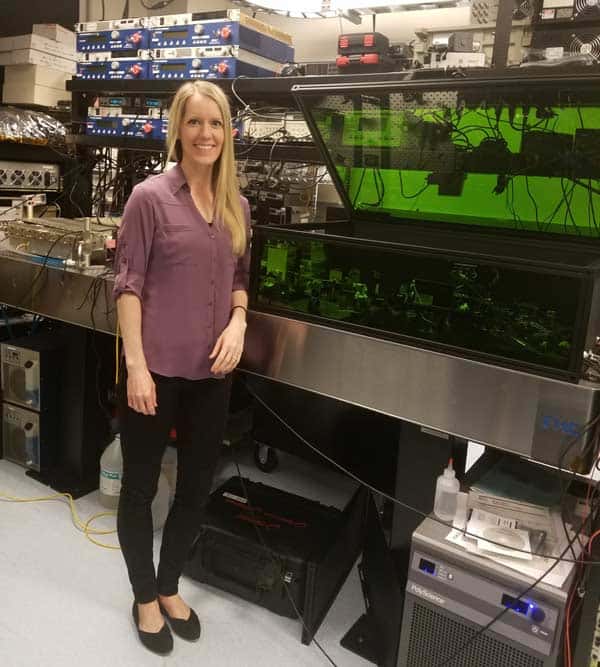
{"x":115,"y":69}
{"x":117,"y":35}
{"x":223,"y":28}
{"x":220,"y":67}
{"x":134,"y":126}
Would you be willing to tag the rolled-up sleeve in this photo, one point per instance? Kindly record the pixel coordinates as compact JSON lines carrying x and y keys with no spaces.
{"x":241,"y":277}
{"x":134,"y":243}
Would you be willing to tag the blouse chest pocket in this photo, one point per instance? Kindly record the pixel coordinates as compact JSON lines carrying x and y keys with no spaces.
{"x":181,"y":243}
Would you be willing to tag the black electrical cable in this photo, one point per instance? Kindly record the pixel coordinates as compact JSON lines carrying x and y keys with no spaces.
{"x":74,"y":203}
{"x":568,"y":197}
{"x":102,"y":4}
{"x":416,"y":194}
{"x":397,"y":501}
{"x":587,"y":186}
{"x":592,"y":217}
{"x":535,"y":206}
{"x":382,"y":185}
{"x":100,"y":282}
{"x":556,"y":559}
{"x":452,"y":128}
{"x":379,"y":188}
{"x":80,"y":169}
{"x":54,"y":149}
{"x":273,"y":558}
{"x":510,"y":201}
{"x":271,"y":167}
{"x":496,"y":131}
{"x":359,"y":188}
{"x":564,"y":487}
{"x":500,"y":614}
{"x":561,"y":201}
{"x":43,"y":267}
{"x":246,"y":107}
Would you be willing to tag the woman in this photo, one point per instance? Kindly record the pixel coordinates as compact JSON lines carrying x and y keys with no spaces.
{"x":181,"y":290}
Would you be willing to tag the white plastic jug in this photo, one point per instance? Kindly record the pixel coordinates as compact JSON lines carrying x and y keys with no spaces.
{"x":111,"y":474}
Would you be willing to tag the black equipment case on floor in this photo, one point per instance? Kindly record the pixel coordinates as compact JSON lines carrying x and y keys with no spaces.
{"x":308,"y":549}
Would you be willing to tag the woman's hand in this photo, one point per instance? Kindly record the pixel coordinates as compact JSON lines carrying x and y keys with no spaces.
{"x":228,"y":349}
{"x":141,"y":391}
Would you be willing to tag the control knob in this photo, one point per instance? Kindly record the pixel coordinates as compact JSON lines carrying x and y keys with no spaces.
{"x":147,"y":128}
{"x":136,"y":38}
{"x":196,"y":62}
{"x":538,"y":615}
{"x":223,"y":68}
{"x":135,"y":70}
{"x":226,"y":32}
{"x":114,"y":65}
{"x":198,"y":29}
{"x":115,"y":34}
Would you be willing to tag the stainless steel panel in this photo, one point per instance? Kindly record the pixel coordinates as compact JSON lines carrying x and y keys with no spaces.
{"x":510,"y":410}
{"x":68,"y":295}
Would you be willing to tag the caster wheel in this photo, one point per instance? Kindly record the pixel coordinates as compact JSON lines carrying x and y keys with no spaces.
{"x":265,"y":458}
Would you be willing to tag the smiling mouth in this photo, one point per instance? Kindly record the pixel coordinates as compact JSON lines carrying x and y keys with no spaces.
{"x":204,"y":147}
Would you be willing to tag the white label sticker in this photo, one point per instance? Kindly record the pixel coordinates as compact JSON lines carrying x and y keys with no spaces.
{"x":110,"y":483}
{"x":554,"y":52}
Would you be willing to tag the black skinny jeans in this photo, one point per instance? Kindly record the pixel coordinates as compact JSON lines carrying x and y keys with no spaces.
{"x":198,"y":410}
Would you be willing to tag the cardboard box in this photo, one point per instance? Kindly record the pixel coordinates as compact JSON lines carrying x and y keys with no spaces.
{"x":42,"y":95}
{"x":33,"y":57}
{"x":35,"y":75}
{"x":55,"y":32}
{"x":38,"y":43}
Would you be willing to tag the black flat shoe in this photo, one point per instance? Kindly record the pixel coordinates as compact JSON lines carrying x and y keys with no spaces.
{"x":186,"y":629}
{"x":160,"y":642}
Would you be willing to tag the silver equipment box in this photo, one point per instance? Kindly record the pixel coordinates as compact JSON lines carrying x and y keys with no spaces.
{"x":452,"y":594}
{"x":30,"y":176}
{"x":21,"y":436}
{"x":59,"y":238}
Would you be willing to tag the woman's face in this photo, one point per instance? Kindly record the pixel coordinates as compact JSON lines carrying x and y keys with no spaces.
{"x":201,"y":132}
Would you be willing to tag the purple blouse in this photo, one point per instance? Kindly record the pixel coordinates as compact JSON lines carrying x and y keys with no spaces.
{"x":182,"y":269}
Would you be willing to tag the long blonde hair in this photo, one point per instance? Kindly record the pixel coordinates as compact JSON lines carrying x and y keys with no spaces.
{"x":225,"y":184}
